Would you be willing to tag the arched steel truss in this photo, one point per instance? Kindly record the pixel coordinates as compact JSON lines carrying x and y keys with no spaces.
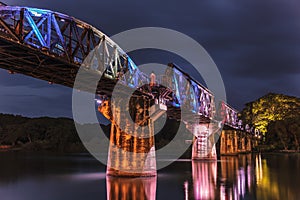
{"x":52,"y":46}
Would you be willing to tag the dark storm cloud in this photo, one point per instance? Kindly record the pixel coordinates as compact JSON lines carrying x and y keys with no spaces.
{"x":255,"y":44}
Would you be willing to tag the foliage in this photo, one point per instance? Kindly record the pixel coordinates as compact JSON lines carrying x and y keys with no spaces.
{"x":59,"y":134}
{"x":55,"y":134}
{"x":284,"y":134}
{"x":277,"y":117}
{"x":271,"y":107}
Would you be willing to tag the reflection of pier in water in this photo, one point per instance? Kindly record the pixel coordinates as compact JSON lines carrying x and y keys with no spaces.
{"x":204,"y":179}
{"x":237,"y":178}
{"x":232,"y":178}
{"x":131,"y":188}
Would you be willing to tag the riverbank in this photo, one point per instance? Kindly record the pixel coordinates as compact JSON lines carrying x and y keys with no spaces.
{"x":272,"y":149}
{"x":42,"y":147}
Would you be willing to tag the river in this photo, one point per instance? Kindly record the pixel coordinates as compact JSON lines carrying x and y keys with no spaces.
{"x":31,"y":176}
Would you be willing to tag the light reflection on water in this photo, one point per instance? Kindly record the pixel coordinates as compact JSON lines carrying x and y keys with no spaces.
{"x":131,"y":188}
{"x":48,"y":176}
{"x":84,"y":176}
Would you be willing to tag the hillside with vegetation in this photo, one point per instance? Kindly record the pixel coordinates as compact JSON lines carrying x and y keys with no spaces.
{"x":45,"y":133}
{"x":277,"y":117}
{"x":60,"y":135}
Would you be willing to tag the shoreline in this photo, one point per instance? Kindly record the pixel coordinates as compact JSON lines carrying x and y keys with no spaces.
{"x":7,"y":148}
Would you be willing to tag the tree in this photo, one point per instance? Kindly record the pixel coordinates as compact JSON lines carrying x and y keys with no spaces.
{"x":271,"y":107}
{"x":56,"y":134}
{"x":277,"y":116}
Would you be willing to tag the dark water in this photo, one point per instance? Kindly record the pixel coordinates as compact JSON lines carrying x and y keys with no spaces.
{"x":76,"y":177}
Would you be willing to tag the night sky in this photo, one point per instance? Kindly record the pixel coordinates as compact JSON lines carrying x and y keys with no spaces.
{"x":255,"y":44}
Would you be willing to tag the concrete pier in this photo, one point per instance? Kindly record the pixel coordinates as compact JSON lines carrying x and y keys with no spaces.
{"x":131,"y":150}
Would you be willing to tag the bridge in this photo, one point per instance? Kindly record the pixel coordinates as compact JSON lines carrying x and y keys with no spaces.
{"x":53,"y":47}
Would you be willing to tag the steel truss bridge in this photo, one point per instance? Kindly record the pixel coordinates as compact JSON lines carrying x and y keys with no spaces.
{"x":52,"y":46}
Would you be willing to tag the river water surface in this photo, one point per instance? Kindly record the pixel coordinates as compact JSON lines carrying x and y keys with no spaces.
{"x":27,"y":176}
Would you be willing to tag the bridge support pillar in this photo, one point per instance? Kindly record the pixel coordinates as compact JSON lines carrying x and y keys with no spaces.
{"x":243,"y":149}
{"x":204,"y":147}
{"x":229,"y":142}
{"x":131,"y":150}
{"x":249,"y":144}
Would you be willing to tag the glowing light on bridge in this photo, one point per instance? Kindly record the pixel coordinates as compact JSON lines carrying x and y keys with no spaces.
{"x":52,"y":46}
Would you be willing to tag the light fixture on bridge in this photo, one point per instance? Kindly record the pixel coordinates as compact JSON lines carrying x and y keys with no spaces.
{"x":37,"y":12}
{"x":98,"y":101}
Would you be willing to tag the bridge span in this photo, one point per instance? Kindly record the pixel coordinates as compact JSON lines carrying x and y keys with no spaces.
{"x":53,"y":47}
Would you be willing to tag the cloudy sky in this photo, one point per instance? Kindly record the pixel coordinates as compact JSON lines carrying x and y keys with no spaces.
{"x":255,"y":44}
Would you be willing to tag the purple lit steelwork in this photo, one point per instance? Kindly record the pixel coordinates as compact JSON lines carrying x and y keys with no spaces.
{"x":52,"y":46}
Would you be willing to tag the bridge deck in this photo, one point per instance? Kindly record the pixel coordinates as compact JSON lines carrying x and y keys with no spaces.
{"x":52,"y":46}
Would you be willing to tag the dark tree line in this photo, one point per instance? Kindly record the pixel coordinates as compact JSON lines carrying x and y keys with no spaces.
{"x":60,"y":134}
{"x":284,"y":134}
{"x":55,"y":134}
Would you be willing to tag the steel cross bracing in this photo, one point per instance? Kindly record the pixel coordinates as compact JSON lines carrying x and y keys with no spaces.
{"x":189,"y":93}
{"x":52,"y":46}
{"x":228,"y":115}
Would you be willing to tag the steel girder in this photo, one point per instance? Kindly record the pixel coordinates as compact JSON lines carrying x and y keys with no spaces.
{"x":189,"y":93}
{"x":52,"y":46}
{"x":63,"y":37}
{"x":66,"y":41}
{"x":229,"y":116}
